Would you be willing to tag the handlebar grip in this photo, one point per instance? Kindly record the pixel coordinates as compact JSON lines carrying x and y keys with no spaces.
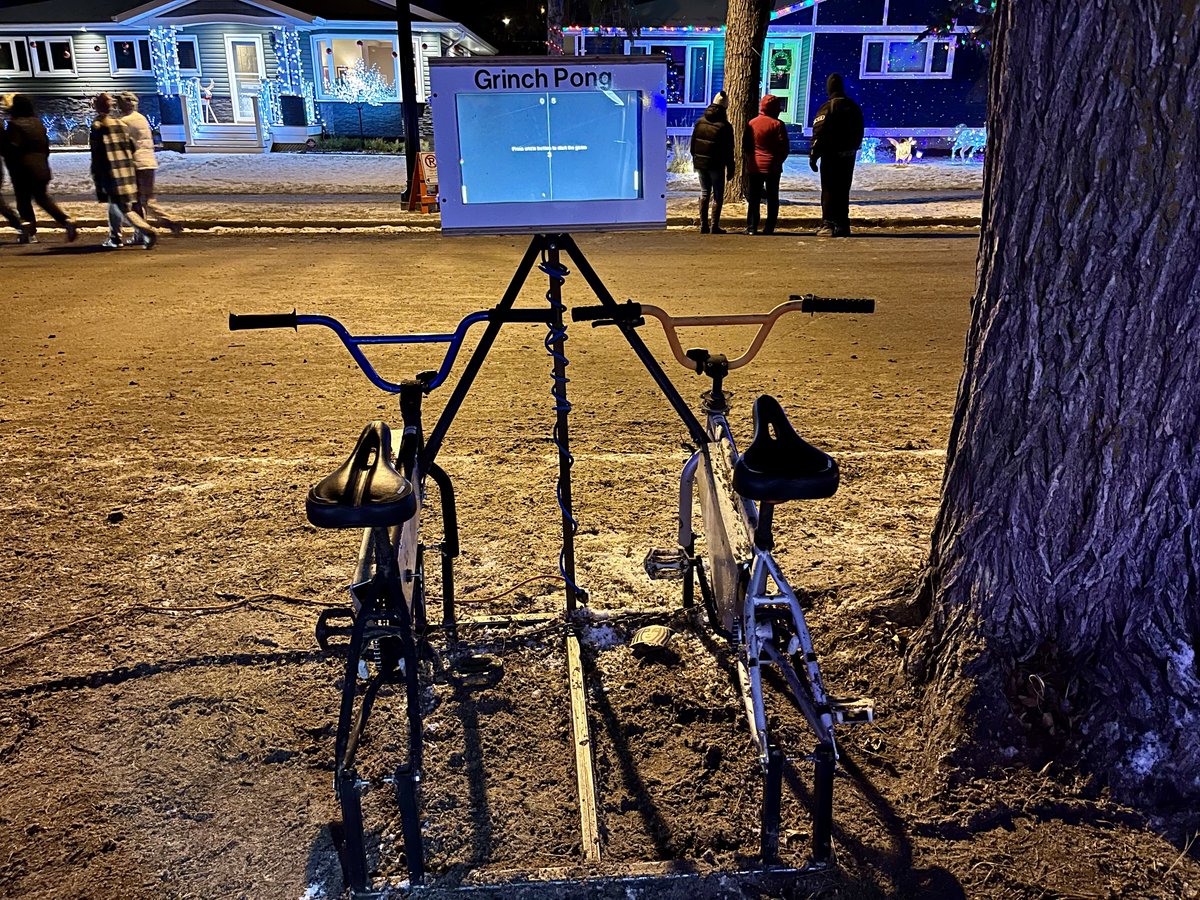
{"x":813,"y":304}
{"x":625,"y":312}
{"x":588,"y":313}
{"x":270,"y":320}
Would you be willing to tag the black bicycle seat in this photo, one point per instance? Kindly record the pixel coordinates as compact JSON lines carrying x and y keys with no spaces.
{"x":366,"y":491}
{"x":779,"y":464}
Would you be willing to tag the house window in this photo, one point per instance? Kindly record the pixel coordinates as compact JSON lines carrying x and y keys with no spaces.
{"x":335,"y":55}
{"x":52,"y":55}
{"x":14,"y":57}
{"x":689,"y":69}
{"x":187,"y":52}
{"x":904,"y":57}
{"x":129,"y":55}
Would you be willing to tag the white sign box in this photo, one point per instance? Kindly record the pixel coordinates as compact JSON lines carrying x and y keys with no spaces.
{"x":550,"y":144}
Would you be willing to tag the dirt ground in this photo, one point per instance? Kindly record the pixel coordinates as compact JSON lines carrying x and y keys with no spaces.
{"x":166,"y":718}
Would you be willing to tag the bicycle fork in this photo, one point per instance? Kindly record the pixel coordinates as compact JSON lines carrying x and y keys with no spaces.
{"x":765,"y":616}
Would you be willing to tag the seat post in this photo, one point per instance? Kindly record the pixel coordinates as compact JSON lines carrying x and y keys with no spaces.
{"x":763,"y":539}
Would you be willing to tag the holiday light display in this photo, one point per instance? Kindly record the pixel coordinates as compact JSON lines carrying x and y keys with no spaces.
{"x":361,"y":86}
{"x":286,"y":41}
{"x":164,"y":60}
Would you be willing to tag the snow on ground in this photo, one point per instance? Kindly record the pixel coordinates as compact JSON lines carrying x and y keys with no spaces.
{"x":921,"y":175}
{"x":356,"y":173}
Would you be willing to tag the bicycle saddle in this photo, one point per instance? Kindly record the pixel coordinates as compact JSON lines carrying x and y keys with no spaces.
{"x":779,"y":464}
{"x":366,"y":491}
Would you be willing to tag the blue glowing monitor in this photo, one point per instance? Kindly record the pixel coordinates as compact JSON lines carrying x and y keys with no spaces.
{"x":549,"y":144}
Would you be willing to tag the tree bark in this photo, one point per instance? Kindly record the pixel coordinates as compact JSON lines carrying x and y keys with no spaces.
{"x":745,"y":34}
{"x":1064,"y":578}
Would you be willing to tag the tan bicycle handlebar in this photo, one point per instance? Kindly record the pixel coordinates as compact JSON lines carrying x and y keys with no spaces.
{"x":764,"y":321}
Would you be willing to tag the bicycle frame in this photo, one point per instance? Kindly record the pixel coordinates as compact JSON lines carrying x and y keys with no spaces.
{"x":765,"y":627}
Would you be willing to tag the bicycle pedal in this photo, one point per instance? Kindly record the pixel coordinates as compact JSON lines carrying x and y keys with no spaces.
{"x":661,"y":564}
{"x":852,"y":710}
{"x":325,"y":630}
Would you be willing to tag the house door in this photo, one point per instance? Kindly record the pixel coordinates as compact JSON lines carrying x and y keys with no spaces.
{"x":786,"y":67}
{"x":246,"y":73}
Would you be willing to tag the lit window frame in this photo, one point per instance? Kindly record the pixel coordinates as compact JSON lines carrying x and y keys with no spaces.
{"x":31,"y":43}
{"x":322,"y":70}
{"x":644,"y":45}
{"x":139,"y":72}
{"x":17,"y":72}
{"x":195,"y":42}
{"x":888,"y":39}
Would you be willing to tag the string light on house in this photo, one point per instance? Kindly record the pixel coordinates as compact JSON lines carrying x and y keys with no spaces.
{"x":164,"y":60}
{"x":286,"y":41}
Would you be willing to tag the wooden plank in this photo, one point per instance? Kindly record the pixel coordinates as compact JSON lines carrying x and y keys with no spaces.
{"x":585,"y":779}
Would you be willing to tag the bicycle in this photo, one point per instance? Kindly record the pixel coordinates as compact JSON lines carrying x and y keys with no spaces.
{"x":385,"y":626}
{"x":738,"y":494}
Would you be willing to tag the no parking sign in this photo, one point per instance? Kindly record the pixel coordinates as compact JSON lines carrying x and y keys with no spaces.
{"x":429,"y":166}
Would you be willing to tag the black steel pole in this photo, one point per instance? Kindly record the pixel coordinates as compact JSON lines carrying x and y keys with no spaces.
{"x":561,"y":427}
{"x":408,"y":92}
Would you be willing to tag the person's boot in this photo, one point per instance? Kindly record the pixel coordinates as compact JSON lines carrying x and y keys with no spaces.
{"x":826,"y":229}
{"x":716,"y":219}
{"x":704,"y":217}
{"x":842,"y":229}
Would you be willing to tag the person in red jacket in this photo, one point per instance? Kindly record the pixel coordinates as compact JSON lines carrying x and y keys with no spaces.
{"x":766,"y":148}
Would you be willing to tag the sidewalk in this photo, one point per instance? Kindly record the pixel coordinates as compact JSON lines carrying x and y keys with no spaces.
{"x":300,"y":192}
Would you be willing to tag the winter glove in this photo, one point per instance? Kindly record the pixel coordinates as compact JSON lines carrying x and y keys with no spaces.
{"x":812,"y":163}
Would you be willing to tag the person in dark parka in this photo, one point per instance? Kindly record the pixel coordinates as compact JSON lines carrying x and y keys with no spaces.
{"x":837,"y":135}
{"x":6,"y":211}
{"x":712,"y":158}
{"x":767,"y":146}
{"x":27,"y":151}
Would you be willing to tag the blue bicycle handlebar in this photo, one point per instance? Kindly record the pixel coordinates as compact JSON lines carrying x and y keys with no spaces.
{"x":353,"y":343}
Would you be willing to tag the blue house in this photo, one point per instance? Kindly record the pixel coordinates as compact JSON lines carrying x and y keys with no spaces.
{"x":220,"y":75}
{"x":923,"y":89}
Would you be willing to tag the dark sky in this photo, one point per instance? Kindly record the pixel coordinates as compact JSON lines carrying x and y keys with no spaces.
{"x":524,"y":34}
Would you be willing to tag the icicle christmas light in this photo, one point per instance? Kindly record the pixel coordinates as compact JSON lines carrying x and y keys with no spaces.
{"x":164,"y":60}
{"x":286,"y":41}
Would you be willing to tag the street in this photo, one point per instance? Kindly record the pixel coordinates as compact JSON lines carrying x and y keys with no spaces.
{"x":164,"y":717}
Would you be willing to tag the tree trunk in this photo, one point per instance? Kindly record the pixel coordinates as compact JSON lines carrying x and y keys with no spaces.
{"x":745,"y":33}
{"x":1064,"y":579}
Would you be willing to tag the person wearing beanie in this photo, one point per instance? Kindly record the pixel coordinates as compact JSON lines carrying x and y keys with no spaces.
{"x":26,"y":150}
{"x":837,"y":135}
{"x":712,"y":158}
{"x":144,"y":160}
{"x":767,"y":146}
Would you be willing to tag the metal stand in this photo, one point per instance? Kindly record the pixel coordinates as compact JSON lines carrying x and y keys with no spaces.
{"x":550,"y":247}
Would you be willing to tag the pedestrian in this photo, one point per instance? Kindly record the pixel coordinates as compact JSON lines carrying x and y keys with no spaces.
{"x":5,"y":210}
{"x":767,"y":146}
{"x":712,"y":158}
{"x":115,"y":175}
{"x":144,"y":160}
{"x":837,"y":135}
{"x":26,"y":150}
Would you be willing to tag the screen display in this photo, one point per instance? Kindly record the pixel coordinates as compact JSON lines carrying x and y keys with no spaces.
{"x":534,"y":147}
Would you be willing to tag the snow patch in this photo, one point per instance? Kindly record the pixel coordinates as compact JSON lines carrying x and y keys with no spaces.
{"x":314,"y":892}
{"x":601,"y":637}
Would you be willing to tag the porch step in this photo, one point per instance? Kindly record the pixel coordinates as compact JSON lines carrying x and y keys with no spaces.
{"x":224,"y":130}
{"x":226,"y":146}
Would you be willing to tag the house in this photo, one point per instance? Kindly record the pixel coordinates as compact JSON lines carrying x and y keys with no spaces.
{"x":220,"y":74}
{"x":923,"y":89}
